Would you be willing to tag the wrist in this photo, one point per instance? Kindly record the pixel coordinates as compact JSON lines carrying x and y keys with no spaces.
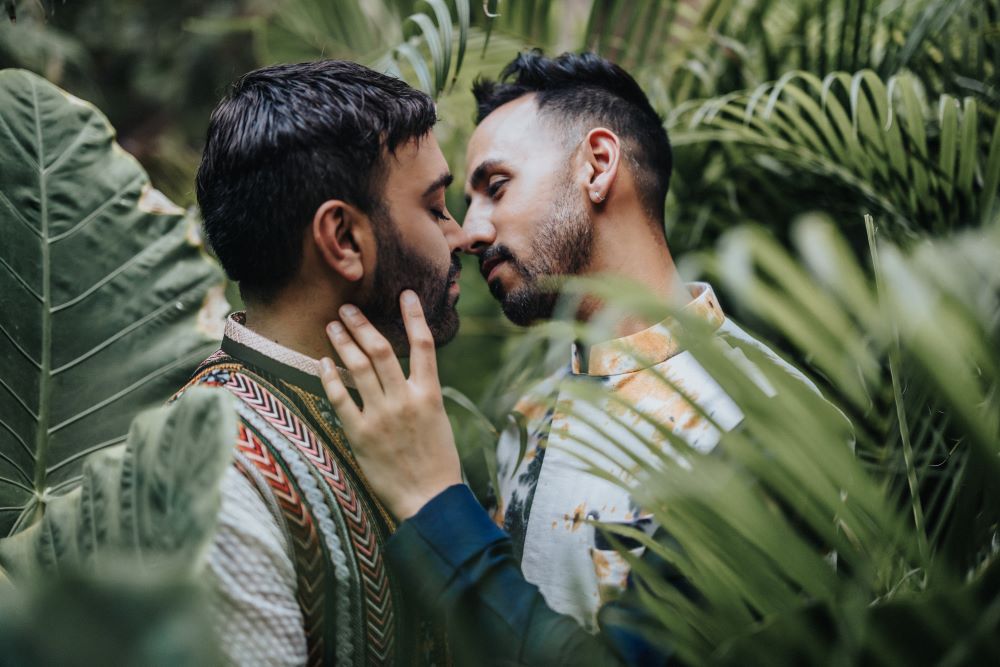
{"x":409,"y":505}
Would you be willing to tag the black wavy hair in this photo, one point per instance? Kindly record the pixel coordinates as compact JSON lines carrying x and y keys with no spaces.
{"x":286,"y":139}
{"x":579,"y":91}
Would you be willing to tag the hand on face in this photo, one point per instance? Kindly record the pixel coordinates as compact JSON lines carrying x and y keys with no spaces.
{"x":402,"y":438}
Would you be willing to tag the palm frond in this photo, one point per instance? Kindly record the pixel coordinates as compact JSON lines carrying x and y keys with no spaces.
{"x":921,"y":165}
{"x":712,"y":47}
{"x":787,"y":525}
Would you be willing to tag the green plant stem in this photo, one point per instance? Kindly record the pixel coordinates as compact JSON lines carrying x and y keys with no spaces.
{"x":897,"y":392}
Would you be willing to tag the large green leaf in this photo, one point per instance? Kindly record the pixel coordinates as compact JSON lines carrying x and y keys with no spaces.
{"x":151,"y":503}
{"x":106,"y":298}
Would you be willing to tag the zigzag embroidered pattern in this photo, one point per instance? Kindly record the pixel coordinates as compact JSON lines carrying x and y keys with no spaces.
{"x":309,"y":570}
{"x":380,"y":619}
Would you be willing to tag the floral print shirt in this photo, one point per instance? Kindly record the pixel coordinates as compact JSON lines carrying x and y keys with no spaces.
{"x":546,"y":498}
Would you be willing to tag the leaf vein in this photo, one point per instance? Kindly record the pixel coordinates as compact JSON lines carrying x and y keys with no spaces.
{"x":13,"y":139}
{"x":112,"y":339}
{"x":21,"y":471}
{"x":18,"y":438}
{"x":21,"y":280}
{"x":17,"y":214}
{"x":62,"y":156}
{"x":54,"y":491}
{"x":96,"y":212}
{"x":86,"y":452}
{"x":44,"y":386}
{"x":19,"y":348}
{"x":163,"y":370}
{"x":19,"y":400}
{"x":103,"y":281}
{"x":14,"y":482}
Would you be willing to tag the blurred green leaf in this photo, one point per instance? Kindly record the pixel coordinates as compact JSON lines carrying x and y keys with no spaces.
{"x":127,"y":617}
{"x":153,"y":502}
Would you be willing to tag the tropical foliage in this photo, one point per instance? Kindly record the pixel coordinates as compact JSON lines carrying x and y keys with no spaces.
{"x":106,"y":301}
{"x":810,"y":540}
{"x":132,"y":617}
{"x":155,"y":499}
{"x":837,"y":165}
{"x":793,"y":116}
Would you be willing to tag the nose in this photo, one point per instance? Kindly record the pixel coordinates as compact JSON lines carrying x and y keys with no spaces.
{"x":456,"y":236}
{"x":479,"y":230}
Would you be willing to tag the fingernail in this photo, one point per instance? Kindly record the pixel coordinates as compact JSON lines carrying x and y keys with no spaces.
{"x":327,"y":365}
{"x":335,"y":329}
{"x":410,"y":298}
{"x":348,"y":311}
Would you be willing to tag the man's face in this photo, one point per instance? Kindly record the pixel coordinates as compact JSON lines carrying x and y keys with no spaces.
{"x":417,"y":245}
{"x":527,"y":218}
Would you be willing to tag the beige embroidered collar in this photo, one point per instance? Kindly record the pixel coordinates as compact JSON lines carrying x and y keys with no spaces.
{"x":238,"y":332}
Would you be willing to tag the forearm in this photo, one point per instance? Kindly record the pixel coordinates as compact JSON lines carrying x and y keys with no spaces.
{"x":447,"y":555}
{"x":457,"y":565}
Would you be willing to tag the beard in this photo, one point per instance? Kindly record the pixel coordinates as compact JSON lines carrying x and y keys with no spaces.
{"x":563,"y":245}
{"x":398,"y":269}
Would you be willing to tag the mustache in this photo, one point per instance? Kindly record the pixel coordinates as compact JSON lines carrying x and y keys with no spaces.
{"x":500,"y":252}
{"x":455,"y":268}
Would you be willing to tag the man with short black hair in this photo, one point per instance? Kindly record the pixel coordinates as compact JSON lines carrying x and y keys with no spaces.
{"x":546,"y":108}
{"x":321,"y":184}
{"x":568,"y":172}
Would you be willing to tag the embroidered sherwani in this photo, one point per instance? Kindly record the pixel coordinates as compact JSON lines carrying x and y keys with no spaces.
{"x":297,"y":565}
{"x":546,"y":499}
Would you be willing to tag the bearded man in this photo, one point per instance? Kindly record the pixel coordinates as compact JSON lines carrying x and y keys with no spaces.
{"x":321,"y":184}
{"x":567,"y":173}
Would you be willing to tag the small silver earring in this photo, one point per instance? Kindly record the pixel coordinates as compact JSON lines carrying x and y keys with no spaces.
{"x":599,"y":198}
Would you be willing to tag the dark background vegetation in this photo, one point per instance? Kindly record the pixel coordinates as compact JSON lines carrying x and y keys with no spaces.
{"x":815,"y":142}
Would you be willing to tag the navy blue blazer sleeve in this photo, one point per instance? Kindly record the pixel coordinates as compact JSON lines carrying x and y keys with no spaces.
{"x":454,"y":562}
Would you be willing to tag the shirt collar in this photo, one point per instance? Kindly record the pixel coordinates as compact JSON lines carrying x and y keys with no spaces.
{"x":247,"y":345}
{"x":649,"y":346}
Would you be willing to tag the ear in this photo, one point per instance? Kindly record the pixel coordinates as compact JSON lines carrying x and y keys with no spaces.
{"x":602,"y":153}
{"x":341,"y":233}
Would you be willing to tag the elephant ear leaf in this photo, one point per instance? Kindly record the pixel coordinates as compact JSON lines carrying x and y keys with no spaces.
{"x":153,"y":502}
{"x":106,"y":297}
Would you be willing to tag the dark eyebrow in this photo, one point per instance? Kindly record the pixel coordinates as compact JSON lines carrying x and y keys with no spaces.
{"x":479,"y":174}
{"x":442,"y":181}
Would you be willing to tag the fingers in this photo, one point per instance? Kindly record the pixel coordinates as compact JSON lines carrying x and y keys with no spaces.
{"x":337,"y":393}
{"x":357,"y":362}
{"x":378,"y":349}
{"x":423,"y":358}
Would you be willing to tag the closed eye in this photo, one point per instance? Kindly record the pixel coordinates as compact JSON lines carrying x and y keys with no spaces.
{"x":440,"y":215}
{"x":493,"y":189}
